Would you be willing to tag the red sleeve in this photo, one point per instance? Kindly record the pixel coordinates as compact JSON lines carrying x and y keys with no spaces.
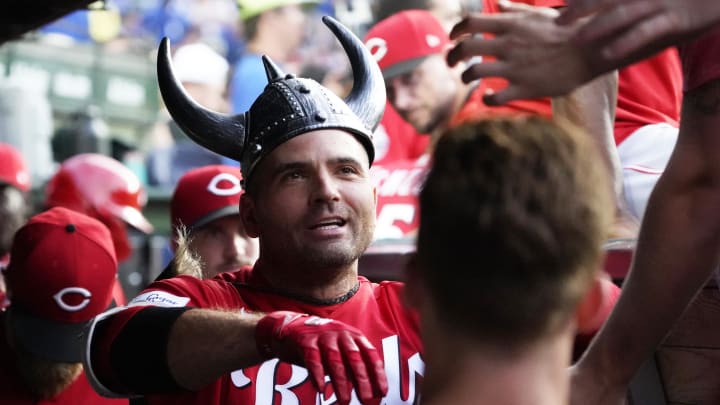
{"x":178,"y":292}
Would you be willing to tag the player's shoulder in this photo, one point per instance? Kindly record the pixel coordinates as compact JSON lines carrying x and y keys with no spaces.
{"x":387,"y":288}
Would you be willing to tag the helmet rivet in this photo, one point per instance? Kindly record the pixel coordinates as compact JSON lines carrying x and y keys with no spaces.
{"x":303,"y":89}
{"x":258,"y":147}
{"x":320,"y":116}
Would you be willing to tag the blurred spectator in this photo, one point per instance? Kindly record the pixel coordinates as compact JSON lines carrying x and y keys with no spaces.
{"x":410,"y":47}
{"x":395,"y":139}
{"x":60,"y":276}
{"x":85,"y":132}
{"x":206,"y":205}
{"x":273,"y":28}
{"x":104,"y":189}
{"x":26,"y":123}
{"x":14,"y":204}
{"x":203,"y":72}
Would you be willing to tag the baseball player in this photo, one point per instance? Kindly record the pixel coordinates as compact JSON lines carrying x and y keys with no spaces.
{"x":525,"y":267}
{"x":205,"y":216}
{"x":302,"y":326}
{"x":60,"y":276}
{"x":103,"y":188}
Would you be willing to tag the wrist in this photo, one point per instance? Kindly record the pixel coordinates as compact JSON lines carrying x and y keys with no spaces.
{"x":269,"y":330}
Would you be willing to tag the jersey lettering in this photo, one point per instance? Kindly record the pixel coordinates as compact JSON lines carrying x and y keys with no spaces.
{"x":401,"y":388}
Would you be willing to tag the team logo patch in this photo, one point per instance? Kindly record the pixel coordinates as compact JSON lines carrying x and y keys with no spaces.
{"x":224,"y":184}
{"x":378,"y":48}
{"x":160,"y":299}
{"x":60,"y":298}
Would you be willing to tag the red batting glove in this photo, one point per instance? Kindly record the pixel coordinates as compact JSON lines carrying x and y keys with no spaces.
{"x":324,"y":347}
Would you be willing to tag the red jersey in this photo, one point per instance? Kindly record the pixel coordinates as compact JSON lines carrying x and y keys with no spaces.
{"x":701,"y":60}
{"x":649,"y":92}
{"x":398,"y":187}
{"x":13,"y":390}
{"x":395,"y":139}
{"x":375,"y":309}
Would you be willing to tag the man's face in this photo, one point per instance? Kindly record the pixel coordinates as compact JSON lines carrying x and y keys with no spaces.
{"x":223,"y":245}
{"x":315,"y":204}
{"x":425,"y":96}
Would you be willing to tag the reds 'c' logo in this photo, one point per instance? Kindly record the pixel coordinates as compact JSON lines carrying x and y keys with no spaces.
{"x":224,"y":184}
{"x":60,"y":298}
{"x":377,"y":47}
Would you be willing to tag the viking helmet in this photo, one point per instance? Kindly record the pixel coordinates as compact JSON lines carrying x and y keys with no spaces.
{"x":288,"y":107}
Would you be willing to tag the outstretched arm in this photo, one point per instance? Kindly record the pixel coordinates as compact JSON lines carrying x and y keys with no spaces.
{"x":631,"y":28}
{"x":676,"y":253}
{"x":183,"y":348}
{"x":592,"y":108}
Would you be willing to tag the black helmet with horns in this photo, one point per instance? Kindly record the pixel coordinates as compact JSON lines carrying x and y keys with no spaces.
{"x":288,"y":107}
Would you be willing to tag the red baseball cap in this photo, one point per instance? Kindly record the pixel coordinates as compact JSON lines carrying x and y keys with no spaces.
{"x":205,"y":194}
{"x":402,"y":41}
{"x":13,"y":170}
{"x":61,"y":274}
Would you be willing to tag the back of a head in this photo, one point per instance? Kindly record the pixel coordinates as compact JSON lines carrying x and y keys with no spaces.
{"x":103,"y":188}
{"x":91,"y":183}
{"x":513,"y":216}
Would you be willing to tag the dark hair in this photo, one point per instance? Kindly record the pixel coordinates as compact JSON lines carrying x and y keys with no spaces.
{"x":513,"y":214}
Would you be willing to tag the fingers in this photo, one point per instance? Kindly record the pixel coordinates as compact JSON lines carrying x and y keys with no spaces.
{"x":617,"y":19}
{"x":577,"y":9}
{"x":477,"y":23}
{"x":375,"y":367}
{"x":505,"y":96}
{"x":485,"y":69}
{"x":639,"y":37}
{"x":351,"y":361}
{"x":475,"y":46}
{"x":334,"y":364}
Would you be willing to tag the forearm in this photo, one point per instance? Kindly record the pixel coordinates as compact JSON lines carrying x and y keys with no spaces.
{"x":205,"y":344}
{"x":592,"y":108}
{"x":677,"y":249}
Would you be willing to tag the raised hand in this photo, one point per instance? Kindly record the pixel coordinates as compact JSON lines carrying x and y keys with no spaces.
{"x":629,"y":27}
{"x":532,"y":52}
{"x":324,"y":347}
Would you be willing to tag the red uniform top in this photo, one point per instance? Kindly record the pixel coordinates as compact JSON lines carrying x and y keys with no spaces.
{"x":395,"y":139}
{"x":375,"y":309}
{"x":398,"y":187}
{"x":649,"y":92}
{"x":13,"y":390}
{"x":701,"y":60}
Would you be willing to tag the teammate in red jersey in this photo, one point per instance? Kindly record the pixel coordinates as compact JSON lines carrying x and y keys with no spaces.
{"x":103,"y":188}
{"x":272,"y":333}
{"x":204,"y":209}
{"x":60,"y":276}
